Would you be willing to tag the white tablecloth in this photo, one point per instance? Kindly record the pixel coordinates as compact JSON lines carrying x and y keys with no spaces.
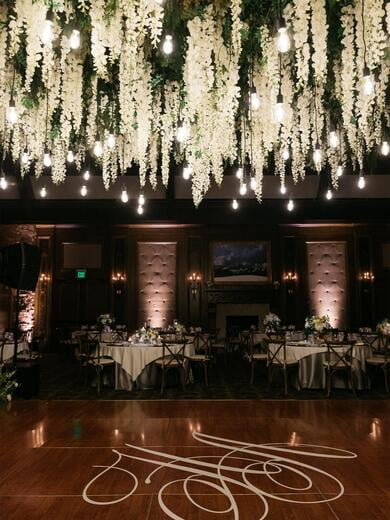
{"x":133,"y":358}
{"x":8,"y":351}
{"x":311,"y":359}
{"x":104,"y":336}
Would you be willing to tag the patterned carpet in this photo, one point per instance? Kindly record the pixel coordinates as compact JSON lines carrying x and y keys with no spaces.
{"x":228,"y":378}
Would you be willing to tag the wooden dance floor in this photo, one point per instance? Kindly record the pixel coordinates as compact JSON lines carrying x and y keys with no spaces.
{"x":152,"y":460}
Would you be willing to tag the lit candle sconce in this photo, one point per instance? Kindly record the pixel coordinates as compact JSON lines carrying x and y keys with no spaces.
{"x":44,"y":278}
{"x":367,"y":276}
{"x":118,"y":280}
{"x":194,"y":280}
{"x":290,"y":278}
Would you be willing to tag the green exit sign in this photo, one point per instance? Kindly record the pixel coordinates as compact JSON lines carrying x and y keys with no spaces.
{"x":81,"y":274}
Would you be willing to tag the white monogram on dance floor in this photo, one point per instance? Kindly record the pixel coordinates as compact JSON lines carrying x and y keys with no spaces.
{"x":239,"y":466}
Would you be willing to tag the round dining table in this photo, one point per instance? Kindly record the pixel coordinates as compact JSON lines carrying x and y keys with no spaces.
{"x":134,"y":362}
{"x":8,"y":349}
{"x":311,"y":358}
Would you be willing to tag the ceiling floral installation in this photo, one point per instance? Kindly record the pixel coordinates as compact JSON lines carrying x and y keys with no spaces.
{"x":112,"y":85}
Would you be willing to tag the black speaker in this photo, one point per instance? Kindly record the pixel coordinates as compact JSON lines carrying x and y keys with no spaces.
{"x":19,"y":266}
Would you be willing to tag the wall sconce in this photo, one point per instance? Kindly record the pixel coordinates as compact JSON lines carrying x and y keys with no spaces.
{"x":367,"y":276}
{"x":118,"y":279}
{"x":289,"y":278}
{"x":194,"y":280}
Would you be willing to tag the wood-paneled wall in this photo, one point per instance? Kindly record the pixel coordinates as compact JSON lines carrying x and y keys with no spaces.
{"x":70,"y":301}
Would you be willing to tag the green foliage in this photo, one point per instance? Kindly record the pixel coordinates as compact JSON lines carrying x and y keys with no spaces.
{"x":7,"y":383}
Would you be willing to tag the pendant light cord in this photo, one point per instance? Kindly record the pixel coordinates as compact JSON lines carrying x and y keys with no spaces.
{"x":364,"y":36}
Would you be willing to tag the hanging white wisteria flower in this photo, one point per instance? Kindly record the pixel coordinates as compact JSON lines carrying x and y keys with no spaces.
{"x":119,"y":93}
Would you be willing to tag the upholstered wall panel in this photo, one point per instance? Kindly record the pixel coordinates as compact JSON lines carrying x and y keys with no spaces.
{"x":156,"y":283}
{"x":328,"y":280}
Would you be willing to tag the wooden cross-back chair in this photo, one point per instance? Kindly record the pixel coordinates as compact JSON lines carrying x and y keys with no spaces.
{"x":172,"y":359}
{"x":90,"y":356}
{"x":277,"y":358}
{"x":339,"y":357}
{"x":202,"y":353}
{"x":379,"y":356}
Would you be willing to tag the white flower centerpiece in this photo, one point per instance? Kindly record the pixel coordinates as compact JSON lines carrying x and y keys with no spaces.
{"x":271,"y":322}
{"x":383,"y":327}
{"x":105,"y":322}
{"x":317,"y":325}
{"x":146,"y":335}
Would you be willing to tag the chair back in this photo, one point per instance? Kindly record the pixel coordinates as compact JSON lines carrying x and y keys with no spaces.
{"x":246,"y":340}
{"x":372,"y":340}
{"x":277,"y":336}
{"x":276,"y":351}
{"x":170,"y":355}
{"x":2,"y":344}
{"x":93,"y":335}
{"x":339,"y":354}
{"x":202,"y":343}
{"x":119,"y":335}
{"x":89,"y":348}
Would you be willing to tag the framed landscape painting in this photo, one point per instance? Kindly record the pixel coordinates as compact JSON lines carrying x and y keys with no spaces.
{"x":241,"y":262}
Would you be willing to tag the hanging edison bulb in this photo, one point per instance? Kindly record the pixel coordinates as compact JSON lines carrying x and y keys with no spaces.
{"x":317,"y":155}
{"x":368,"y":81}
{"x":187,"y":171}
{"x":334,"y":140}
{"x":47,"y":158}
{"x":141,"y":199}
{"x":385,"y":148}
{"x":86,"y":175}
{"x":290,"y":205}
{"x":43,"y":192}
{"x":234,"y":204}
{"x":111,"y":141}
{"x":283,"y":188}
{"x":74,"y":40}
{"x":329,"y":194}
{"x":254,"y":99}
{"x":239,"y":173}
{"x":283,"y":37}
{"x":286,"y":154}
{"x":70,"y":156}
{"x":24,"y":158}
{"x":3,"y":182}
{"x":182,"y":132}
{"x":340,"y":170}
{"x":98,"y":148}
{"x":47,"y":31}
{"x":243,"y":189}
{"x":124,"y":196}
{"x":12,"y":114}
{"x":167,"y":46}
{"x":361,"y":182}
{"x":83,"y":190}
{"x":279,"y":108}
{"x":140,"y":209}
{"x":253,"y":183}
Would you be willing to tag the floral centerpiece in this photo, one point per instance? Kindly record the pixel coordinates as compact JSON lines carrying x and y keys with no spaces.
{"x":105,"y":321}
{"x":146,"y":335}
{"x":317,"y":324}
{"x":271,"y":322}
{"x":384,"y":327}
{"x":7,"y":384}
{"x":177,"y":327}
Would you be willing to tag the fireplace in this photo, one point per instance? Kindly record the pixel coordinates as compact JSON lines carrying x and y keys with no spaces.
{"x":235,"y":324}
{"x":241,"y":315}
